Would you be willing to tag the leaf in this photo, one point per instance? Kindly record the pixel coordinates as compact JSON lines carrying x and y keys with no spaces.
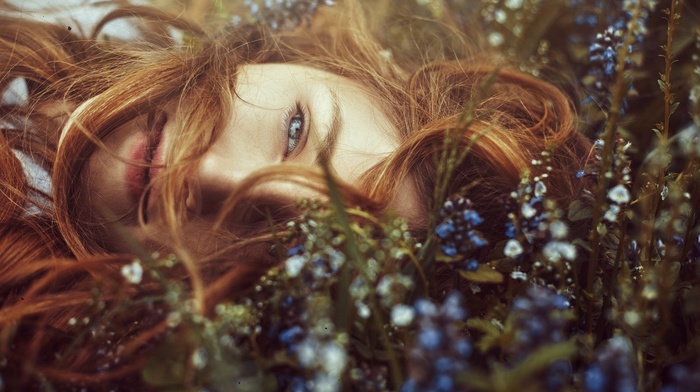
{"x":662,"y":84}
{"x":484,"y":326}
{"x":582,"y":243}
{"x":493,"y":336}
{"x":602,"y":229}
{"x":674,"y":107}
{"x":485,"y":274}
{"x":658,"y":133}
{"x":474,"y":381}
{"x":443,"y":258}
{"x":536,"y":362}
{"x":579,"y":211}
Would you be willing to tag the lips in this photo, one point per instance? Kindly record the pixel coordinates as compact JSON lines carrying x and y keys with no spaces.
{"x":148,"y":154}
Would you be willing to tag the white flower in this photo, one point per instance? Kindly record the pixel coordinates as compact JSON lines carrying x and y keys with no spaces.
{"x":307,"y":351}
{"x":559,"y":230}
{"x":518,"y":275}
{"x":362,"y":309}
{"x":619,"y":194}
{"x":384,"y":285}
{"x":694,"y":95}
{"x":500,"y":16}
{"x":294,"y":264}
{"x":540,"y":189}
{"x":551,"y":252}
{"x":567,"y":250}
{"x":385,"y":54}
{"x":133,"y":272}
{"x":611,"y":213}
{"x":333,"y":359}
{"x":512,"y":249}
{"x":323,"y":382}
{"x":496,"y":38}
{"x":514,"y":4}
{"x":555,"y":250}
{"x":199,"y":358}
{"x":528,"y":211}
{"x":174,"y":319}
{"x":632,"y":318}
{"x":402,"y":315}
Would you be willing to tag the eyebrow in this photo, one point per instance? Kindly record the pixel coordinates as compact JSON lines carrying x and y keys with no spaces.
{"x":327,"y":147}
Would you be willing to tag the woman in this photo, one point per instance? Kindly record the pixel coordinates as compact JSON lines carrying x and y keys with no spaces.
{"x":201,"y":148}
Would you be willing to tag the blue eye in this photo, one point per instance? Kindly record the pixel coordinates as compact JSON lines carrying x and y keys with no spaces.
{"x":295,"y":130}
{"x":296,"y":127}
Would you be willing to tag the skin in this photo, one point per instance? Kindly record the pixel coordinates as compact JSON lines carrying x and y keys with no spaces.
{"x":258,"y":136}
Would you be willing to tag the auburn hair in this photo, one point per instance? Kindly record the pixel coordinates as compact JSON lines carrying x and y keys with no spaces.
{"x":52,"y":262}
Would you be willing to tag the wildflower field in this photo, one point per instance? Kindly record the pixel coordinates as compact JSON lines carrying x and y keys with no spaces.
{"x":599,"y":295}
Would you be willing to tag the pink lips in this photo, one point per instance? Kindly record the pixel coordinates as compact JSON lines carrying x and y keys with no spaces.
{"x":147,"y":151}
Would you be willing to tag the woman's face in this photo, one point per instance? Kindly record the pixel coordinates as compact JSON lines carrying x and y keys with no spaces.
{"x":281,"y":113}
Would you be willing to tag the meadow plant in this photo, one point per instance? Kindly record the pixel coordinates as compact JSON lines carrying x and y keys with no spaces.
{"x":599,"y":295}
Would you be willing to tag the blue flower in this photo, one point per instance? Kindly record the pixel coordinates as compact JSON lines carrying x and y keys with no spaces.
{"x":444,"y":365}
{"x":613,"y":369}
{"x":444,"y":383}
{"x":510,"y":230}
{"x":472,"y":265}
{"x":430,"y":339}
{"x":297,"y":250}
{"x":410,"y":385}
{"x":449,"y":250}
{"x":476,"y":239}
{"x":472,"y":217}
{"x":441,"y":349}
{"x":463,"y":348}
{"x":443,"y":230}
{"x":291,"y":335}
{"x":594,"y":379}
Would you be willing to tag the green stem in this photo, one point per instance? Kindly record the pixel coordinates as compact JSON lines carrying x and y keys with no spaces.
{"x":608,"y":137}
{"x":342,"y":315}
{"x":664,"y":284}
{"x":394,"y":365}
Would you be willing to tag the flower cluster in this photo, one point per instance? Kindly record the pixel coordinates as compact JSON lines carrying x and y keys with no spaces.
{"x":458,"y":237}
{"x":682,"y":377}
{"x":285,"y":14}
{"x":539,"y":317}
{"x":538,"y":225}
{"x":603,"y":62}
{"x":618,"y":175}
{"x":618,"y":46}
{"x":612,"y":369}
{"x":440,"y":350}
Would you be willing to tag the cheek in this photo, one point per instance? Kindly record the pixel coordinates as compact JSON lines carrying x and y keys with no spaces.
{"x":103,"y":178}
{"x":367,"y":138}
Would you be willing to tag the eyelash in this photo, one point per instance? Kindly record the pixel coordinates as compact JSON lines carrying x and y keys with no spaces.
{"x":296,"y":112}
